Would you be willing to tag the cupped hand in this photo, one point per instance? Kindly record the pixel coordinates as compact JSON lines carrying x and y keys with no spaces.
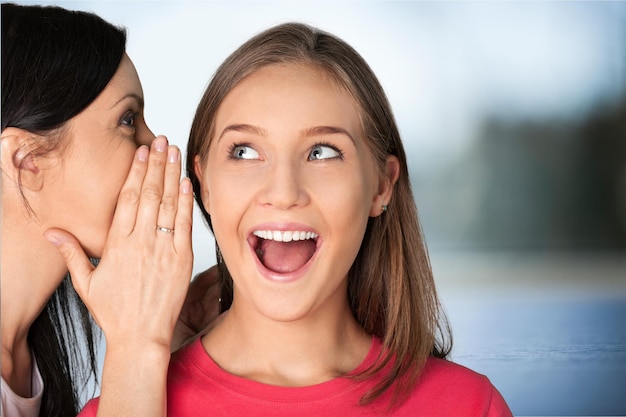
{"x":136,"y":292}
{"x":201,"y":307}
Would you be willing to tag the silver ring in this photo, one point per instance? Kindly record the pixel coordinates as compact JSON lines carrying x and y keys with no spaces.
{"x":164,"y":229}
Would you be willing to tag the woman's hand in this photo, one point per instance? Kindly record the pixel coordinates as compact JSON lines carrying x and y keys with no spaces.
{"x":138,"y":288}
{"x":137,"y":291}
{"x":201,"y":307}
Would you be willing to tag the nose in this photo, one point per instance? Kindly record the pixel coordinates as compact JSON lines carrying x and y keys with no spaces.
{"x":284,"y":186}
{"x":144,"y":135}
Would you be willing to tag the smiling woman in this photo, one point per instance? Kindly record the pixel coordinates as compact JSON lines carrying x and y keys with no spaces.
{"x":294,"y":137}
{"x":298,"y":157}
{"x":319,"y":158}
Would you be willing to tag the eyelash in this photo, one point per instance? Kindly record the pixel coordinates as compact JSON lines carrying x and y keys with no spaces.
{"x":132,"y":115}
{"x":232,"y":147}
{"x":331,"y":146}
{"x":231,"y":150}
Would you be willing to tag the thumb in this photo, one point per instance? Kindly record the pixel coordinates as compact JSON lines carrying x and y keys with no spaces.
{"x":72,"y":253}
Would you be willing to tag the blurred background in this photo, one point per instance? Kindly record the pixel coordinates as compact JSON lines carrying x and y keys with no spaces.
{"x":513,"y":115}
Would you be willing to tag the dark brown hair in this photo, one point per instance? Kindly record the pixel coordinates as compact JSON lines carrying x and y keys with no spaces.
{"x":55,"y":62}
{"x":390,"y":288}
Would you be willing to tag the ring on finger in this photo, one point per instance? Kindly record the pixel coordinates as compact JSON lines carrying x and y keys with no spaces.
{"x":164,"y":229}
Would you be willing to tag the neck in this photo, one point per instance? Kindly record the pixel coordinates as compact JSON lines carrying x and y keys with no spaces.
{"x":297,"y":353}
{"x":31,"y":271}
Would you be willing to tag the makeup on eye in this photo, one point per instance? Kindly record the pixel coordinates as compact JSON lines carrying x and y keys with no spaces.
{"x":128,"y":119}
{"x":318,"y":152}
{"x":241,"y":151}
{"x":131,"y":107}
{"x":323,"y":150}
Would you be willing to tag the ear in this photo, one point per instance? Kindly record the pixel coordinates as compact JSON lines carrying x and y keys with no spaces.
{"x":386,"y":183}
{"x":204,"y":192}
{"x":18,"y":161}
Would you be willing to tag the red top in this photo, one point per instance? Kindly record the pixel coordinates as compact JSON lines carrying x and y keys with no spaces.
{"x":197,"y":386}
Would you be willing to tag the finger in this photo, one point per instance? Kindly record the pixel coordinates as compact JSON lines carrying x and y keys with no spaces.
{"x":152,"y":187}
{"x":184,"y":218}
{"x":74,"y":257}
{"x":169,"y":201}
{"x":128,"y":200}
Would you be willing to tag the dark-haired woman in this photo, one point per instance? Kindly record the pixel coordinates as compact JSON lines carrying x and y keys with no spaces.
{"x":83,"y":175}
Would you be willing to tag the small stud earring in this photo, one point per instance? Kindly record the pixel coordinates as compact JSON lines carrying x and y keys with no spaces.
{"x":384,"y":207}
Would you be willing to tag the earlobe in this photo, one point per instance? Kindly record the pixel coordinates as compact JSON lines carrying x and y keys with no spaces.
{"x":18,"y":160}
{"x":386,"y":185}
{"x":204,"y":192}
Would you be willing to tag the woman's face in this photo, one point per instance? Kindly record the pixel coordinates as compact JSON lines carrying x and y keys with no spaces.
{"x":289,"y":183}
{"x":84,"y":181}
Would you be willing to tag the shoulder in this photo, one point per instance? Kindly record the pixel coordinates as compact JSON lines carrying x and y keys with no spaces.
{"x":13,"y":404}
{"x":445,"y":386}
{"x":439,"y":370}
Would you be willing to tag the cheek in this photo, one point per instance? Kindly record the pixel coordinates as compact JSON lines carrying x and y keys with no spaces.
{"x":348,"y":213}
{"x":103,"y":206}
{"x":115,"y":177}
{"x":227,"y":198}
{"x":104,"y":197}
{"x":347,"y":194}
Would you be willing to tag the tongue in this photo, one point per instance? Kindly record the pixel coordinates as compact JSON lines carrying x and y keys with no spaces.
{"x":285,"y":257}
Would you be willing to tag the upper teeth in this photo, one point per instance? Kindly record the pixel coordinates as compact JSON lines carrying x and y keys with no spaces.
{"x":284,"y":236}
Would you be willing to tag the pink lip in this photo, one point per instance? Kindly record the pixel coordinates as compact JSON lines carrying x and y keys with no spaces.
{"x":271,"y":275}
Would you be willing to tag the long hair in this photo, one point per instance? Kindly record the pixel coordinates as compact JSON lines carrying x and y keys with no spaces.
{"x":390,"y":285}
{"x":55,"y":62}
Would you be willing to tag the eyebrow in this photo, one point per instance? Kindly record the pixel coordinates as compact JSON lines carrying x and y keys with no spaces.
{"x":242,"y":128}
{"x":312,"y":131}
{"x":327,"y":130}
{"x":137,"y":97}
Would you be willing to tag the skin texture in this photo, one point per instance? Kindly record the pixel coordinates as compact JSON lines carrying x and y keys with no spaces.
{"x":60,"y":190}
{"x":289,"y":154}
{"x":104,"y":190}
{"x":96,"y":161}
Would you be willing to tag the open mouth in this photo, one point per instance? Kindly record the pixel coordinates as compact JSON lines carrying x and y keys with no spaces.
{"x":284,"y":251}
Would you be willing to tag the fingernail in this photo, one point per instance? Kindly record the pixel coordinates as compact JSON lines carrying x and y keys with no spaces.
{"x":52,"y":238}
{"x":160,"y":144}
{"x":142,"y":153}
{"x":185,"y":186}
{"x":173,"y":154}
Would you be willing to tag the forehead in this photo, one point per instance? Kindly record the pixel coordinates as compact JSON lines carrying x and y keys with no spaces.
{"x":290,"y":87}
{"x":123,"y":92}
{"x":125,"y":81}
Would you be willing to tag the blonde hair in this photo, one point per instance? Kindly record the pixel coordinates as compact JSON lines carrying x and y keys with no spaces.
{"x":390,"y":289}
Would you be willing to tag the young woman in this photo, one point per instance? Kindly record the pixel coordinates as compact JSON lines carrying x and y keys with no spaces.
{"x":77,"y":167}
{"x":298,"y":166}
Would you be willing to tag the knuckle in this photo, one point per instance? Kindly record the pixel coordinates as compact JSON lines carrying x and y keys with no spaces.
{"x":151,"y":193}
{"x":67,"y":253}
{"x":157,"y":159}
{"x":128,"y":196}
{"x":168,"y":203}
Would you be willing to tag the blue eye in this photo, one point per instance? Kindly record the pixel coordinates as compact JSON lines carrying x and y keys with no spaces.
{"x":243,"y":152}
{"x":320,"y":152}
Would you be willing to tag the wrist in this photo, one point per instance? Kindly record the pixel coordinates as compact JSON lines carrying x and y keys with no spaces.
{"x":132,"y":351}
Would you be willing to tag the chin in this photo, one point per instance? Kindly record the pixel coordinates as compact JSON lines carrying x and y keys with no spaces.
{"x":283,"y":312}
